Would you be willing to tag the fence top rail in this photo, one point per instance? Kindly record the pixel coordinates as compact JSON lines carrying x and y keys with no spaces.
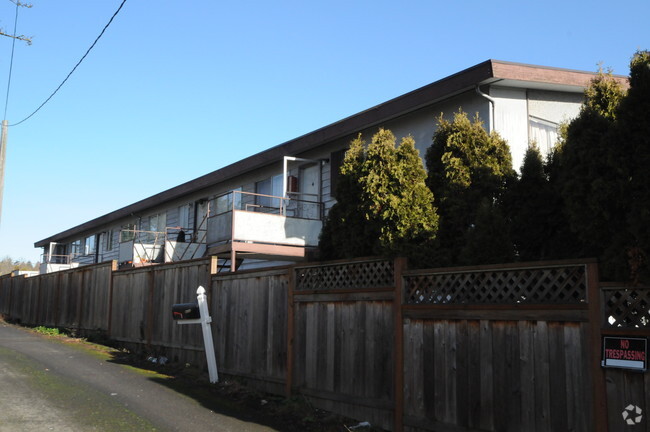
{"x":258,"y":272}
{"x":531,"y":265}
{"x":341,"y":262}
{"x":611,"y":286}
{"x":164,"y":266}
{"x":625,"y":307}
{"x":360,"y":274}
{"x":560,"y":283}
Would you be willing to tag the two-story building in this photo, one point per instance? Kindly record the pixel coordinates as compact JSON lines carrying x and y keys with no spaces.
{"x":269,"y":207}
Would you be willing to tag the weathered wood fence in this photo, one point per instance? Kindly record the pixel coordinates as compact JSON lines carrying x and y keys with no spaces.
{"x":78,"y":298}
{"x":494,"y":348}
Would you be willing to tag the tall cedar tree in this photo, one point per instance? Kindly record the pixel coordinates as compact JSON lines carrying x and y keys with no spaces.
{"x":561,"y":241}
{"x":633,"y":138}
{"x":593,"y":178}
{"x":384,"y":206}
{"x":539,"y":226}
{"x":529,"y":208}
{"x":469,"y":171}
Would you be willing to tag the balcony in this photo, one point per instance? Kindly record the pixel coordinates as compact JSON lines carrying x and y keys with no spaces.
{"x":141,"y":248}
{"x":52,"y":263}
{"x":257,"y":226}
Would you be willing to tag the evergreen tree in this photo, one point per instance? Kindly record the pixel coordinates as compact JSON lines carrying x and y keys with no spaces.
{"x":529,"y":209}
{"x":469,"y":170}
{"x":539,"y":227}
{"x":593,"y":179}
{"x":383,"y":205}
{"x":561,"y":242}
{"x":633,"y":140}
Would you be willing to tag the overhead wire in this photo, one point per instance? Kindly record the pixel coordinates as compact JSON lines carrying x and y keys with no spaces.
{"x":74,"y":68}
{"x":11,"y":62}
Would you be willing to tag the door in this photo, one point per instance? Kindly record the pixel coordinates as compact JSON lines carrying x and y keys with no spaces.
{"x":309,"y":187}
{"x":201,"y":220}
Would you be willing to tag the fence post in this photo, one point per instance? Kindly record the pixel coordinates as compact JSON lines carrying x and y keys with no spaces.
{"x":400,"y":265}
{"x":80,"y":299}
{"x":149,"y":318}
{"x":291,"y":286}
{"x":57,"y":299}
{"x":594,"y":338}
{"x":214,"y":266}
{"x":11,"y":290}
{"x":110,"y":298}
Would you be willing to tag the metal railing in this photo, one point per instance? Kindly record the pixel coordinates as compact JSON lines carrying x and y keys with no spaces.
{"x":294,"y":205}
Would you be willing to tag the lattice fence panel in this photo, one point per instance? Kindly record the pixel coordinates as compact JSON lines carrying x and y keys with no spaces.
{"x":358,"y":275}
{"x":551,"y":285}
{"x":626,"y":307}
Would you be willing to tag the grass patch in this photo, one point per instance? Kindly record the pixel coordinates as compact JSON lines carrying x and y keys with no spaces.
{"x":48,"y":331}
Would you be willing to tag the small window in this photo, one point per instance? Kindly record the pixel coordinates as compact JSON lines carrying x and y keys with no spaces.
{"x":127,"y":233}
{"x":158,"y":222}
{"x":271,"y":187}
{"x":109,"y":240}
{"x":75,"y":247}
{"x":89,"y":245}
{"x":224,"y":203}
{"x":184,"y":216}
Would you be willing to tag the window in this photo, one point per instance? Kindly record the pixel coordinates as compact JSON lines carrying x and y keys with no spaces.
{"x":157,"y":223}
{"x":75,"y":247}
{"x":89,"y":245}
{"x":271,"y":186}
{"x":109,"y":240}
{"x":184,"y":216}
{"x":127,"y":233}
{"x":544,"y":133}
{"x":224,"y":203}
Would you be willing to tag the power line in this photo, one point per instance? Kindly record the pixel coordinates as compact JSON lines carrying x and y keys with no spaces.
{"x":74,"y":68}
{"x":11,"y":62}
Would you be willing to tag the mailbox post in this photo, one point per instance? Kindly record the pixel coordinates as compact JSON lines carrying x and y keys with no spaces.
{"x":186,"y":313}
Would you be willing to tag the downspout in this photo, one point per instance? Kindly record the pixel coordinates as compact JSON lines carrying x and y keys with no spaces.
{"x":491,"y":111}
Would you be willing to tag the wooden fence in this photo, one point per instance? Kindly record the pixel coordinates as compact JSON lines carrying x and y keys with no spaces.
{"x":140,"y":314}
{"x":625,"y":312}
{"x":466,"y":349}
{"x":77,"y":298}
{"x":341,"y":337}
{"x":498,"y":349}
{"x":250,"y":326}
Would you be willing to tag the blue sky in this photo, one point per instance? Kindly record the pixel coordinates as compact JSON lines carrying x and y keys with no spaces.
{"x":177,"y":89}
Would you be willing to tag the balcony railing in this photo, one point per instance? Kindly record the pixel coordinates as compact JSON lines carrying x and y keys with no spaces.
{"x":142,"y":247}
{"x":258,"y":218}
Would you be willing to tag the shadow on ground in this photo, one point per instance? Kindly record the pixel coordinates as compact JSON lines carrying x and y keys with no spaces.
{"x":229,"y":397}
{"x":232,"y":398}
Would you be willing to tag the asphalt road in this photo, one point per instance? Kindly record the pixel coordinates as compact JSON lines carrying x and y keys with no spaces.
{"x":46,"y":385}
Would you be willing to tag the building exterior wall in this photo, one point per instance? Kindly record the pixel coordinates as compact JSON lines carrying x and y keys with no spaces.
{"x":511,"y":120}
{"x":556,"y":107}
{"x":513,"y":109}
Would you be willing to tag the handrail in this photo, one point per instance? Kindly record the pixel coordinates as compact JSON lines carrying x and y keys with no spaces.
{"x":285,"y":203}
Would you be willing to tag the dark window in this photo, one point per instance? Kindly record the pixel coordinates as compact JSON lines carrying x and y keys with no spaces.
{"x":336,"y":160}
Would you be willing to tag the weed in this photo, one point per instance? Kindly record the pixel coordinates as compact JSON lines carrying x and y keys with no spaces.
{"x":47,"y":331}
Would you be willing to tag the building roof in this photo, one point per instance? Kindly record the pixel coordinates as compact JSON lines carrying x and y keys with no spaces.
{"x":488,"y":72}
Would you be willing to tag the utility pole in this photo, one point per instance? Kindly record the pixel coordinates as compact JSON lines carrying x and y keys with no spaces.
{"x":3,"y":148}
